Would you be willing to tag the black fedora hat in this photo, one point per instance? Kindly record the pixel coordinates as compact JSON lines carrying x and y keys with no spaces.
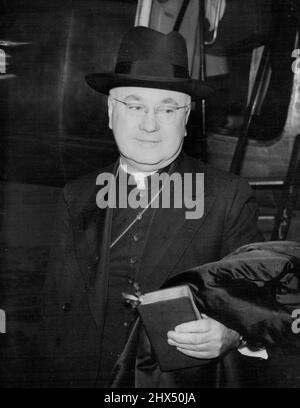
{"x":149,"y":58}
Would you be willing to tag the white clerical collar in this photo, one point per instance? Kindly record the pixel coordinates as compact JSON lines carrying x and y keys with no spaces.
{"x":139,"y":176}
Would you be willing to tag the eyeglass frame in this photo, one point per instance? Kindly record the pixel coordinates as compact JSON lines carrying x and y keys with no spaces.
{"x":155,"y":109}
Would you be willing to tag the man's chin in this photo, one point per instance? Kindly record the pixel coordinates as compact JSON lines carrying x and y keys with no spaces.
{"x":147,"y":161}
{"x":144,"y":162}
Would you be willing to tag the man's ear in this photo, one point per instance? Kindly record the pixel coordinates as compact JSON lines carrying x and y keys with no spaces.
{"x":110,"y":111}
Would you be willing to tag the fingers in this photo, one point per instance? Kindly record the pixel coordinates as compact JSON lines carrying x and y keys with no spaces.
{"x":188,"y":346}
{"x":192,"y":333}
{"x":198,"y":347}
{"x":206,"y":338}
{"x":179,"y":339}
{"x":199,"y":338}
{"x":195,"y":326}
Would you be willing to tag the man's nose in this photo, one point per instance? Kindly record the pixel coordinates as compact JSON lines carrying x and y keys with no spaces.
{"x":150,"y":123}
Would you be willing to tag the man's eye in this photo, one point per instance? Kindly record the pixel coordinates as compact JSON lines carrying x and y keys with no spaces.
{"x":167,"y":110}
{"x":136,"y":108}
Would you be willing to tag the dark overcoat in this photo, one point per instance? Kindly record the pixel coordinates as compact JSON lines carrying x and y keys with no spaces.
{"x":77,"y":276}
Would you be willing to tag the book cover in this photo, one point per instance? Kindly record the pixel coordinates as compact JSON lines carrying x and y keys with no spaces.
{"x":161,"y":311}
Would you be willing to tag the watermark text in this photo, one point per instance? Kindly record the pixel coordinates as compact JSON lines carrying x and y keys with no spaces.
{"x":296,"y":322}
{"x":162,"y":191}
{"x":2,"y":321}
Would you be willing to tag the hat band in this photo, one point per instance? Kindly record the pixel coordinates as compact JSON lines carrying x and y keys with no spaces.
{"x":151,"y":68}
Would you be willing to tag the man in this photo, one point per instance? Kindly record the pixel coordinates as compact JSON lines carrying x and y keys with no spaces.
{"x":98,"y":253}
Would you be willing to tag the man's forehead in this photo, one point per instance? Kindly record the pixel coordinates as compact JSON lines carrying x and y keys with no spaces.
{"x":140,"y":93}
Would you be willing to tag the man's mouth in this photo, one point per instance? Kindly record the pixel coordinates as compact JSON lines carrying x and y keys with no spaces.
{"x":147,"y":140}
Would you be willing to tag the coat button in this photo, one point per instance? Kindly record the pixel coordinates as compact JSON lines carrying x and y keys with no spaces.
{"x":66,"y":307}
{"x":132,"y":259}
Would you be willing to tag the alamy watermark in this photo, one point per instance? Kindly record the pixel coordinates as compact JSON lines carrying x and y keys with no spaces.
{"x":165,"y":190}
{"x":296,"y":322}
{"x":2,"y":62}
{"x":2,"y":321}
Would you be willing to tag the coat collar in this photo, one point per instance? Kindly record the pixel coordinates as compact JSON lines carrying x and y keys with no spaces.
{"x":88,"y":222}
{"x":171,"y":232}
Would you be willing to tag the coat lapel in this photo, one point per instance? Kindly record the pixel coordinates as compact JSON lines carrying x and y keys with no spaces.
{"x":171,"y":233}
{"x":92,"y":228}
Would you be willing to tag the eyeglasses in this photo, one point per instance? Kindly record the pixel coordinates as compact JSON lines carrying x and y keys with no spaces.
{"x":164,"y":113}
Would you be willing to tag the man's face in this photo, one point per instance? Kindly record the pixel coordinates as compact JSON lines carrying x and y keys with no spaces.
{"x":149,"y":130}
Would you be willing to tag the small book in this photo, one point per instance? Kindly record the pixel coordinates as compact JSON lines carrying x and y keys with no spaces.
{"x":161,"y":311}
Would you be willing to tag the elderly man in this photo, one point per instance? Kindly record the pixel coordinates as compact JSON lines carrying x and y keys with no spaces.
{"x":99,"y":253}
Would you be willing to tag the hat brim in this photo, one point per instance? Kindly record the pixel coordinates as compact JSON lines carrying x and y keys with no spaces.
{"x":103,"y":83}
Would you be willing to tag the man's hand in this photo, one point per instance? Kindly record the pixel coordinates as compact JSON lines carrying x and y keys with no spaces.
{"x":204,"y":338}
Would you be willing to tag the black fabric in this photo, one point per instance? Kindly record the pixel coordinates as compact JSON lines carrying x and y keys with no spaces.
{"x":124,"y":263}
{"x":78,"y":268}
{"x":253,"y":291}
{"x":156,"y":67}
{"x":122,"y":274}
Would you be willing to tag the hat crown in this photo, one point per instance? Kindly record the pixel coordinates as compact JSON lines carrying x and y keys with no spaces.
{"x":145,"y":44}
{"x":149,"y":58}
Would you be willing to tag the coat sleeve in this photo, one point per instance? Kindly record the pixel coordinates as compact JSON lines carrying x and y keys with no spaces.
{"x":240,"y":218}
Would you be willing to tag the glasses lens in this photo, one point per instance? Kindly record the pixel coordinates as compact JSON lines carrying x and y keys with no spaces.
{"x":136,"y":109}
{"x":166,"y":113}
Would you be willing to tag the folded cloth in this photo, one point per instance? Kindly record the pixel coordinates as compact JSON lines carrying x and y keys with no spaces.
{"x":253,"y":290}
